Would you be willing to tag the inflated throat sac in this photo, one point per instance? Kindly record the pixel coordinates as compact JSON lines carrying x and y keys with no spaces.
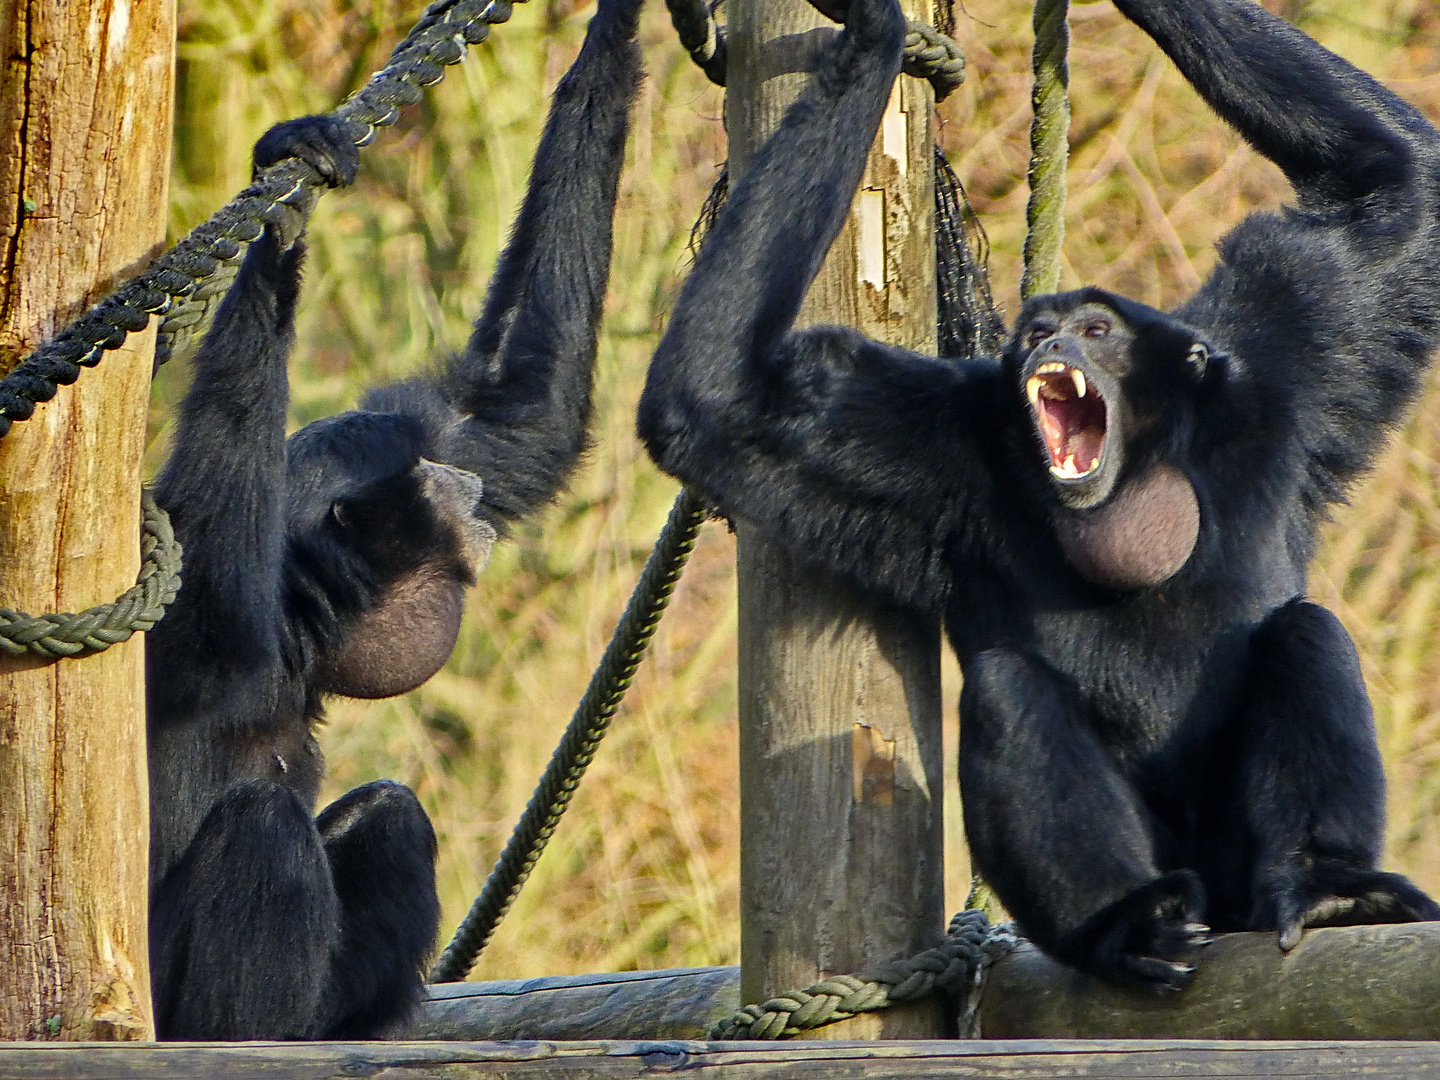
{"x":1141,"y":536}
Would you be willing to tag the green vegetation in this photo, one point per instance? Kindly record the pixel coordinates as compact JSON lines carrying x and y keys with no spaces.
{"x":643,"y":871}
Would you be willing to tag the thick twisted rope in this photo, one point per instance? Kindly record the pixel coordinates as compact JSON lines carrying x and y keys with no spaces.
{"x":581,"y":739}
{"x":929,"y":54}
{"x":96,"y":629}
{"x":216,"y":245}
{"x":933,"y":56}
{"x":971,"y":945}
{"x":1049,"y":148}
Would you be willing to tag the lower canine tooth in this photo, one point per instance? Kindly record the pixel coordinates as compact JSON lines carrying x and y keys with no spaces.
{"x":1067,"y":469}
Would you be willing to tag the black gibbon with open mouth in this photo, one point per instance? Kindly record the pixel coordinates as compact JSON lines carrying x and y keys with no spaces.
{"x":336,"y":562}
{"x":1116,"y":516}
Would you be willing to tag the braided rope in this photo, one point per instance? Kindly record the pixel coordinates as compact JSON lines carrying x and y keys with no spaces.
{"x":581,"y":739}
{"x":216,"y":245}
{"x":971,"y":945}
{"x":934,"y":56}
{"x":96,"y":629}
{"x":1049,"y":148}
{"x":929,"y":53}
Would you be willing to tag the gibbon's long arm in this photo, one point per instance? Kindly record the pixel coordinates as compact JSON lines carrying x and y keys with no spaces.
{"x":513,"y":408}
{"x":856,"y":456}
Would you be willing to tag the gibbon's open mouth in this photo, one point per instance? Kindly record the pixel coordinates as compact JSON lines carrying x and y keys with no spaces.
{"x":1071,"y":417}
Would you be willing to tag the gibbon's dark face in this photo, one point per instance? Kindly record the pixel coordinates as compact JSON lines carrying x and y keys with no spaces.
{"x":1074,"y":364}
{"x":404,"y":529}
{"x":1098,"y":373}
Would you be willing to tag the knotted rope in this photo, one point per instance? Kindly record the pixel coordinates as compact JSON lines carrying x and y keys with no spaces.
{"x":581,"y":739}
{"x":929,"y":54}
{"x":216,"y":245}
{"x":96,"y":629}
{"x":971,"y":945}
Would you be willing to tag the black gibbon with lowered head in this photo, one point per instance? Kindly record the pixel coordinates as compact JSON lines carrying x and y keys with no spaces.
{"x":1115,"y":516}
{"x":336,"y":562}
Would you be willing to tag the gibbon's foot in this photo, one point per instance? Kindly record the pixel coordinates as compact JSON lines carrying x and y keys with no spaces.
{"x":1328,"y":893}
{"x":1149,"y":937}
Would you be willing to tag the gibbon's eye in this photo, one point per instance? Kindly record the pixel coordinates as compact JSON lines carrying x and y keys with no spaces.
{"x":1096,"y":328}
{"x":1037,"y":335}
{"x":339,"y":514}
{"x":1196,"y":359}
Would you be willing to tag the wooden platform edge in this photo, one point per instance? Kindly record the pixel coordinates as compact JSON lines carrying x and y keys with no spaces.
{"x":538,"y":1060}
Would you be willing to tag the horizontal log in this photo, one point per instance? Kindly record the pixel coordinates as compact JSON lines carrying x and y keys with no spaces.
{"x":1355,"y":982}
{"x":680,"y":1003}
{"x":895,"y":1060}
{"x":1351,"y":982}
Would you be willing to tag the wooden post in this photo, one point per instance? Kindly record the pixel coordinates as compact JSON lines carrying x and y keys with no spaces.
{"x":840,"y":760}
{"x":86,"y":101}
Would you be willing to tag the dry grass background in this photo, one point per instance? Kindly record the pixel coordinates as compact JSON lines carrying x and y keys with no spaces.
{"x":644,"y":870}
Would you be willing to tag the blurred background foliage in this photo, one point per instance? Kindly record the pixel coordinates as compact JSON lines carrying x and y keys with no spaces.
{"x":643,"y":872}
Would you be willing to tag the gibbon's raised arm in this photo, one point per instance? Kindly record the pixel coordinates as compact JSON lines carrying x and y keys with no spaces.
{"x":1334,"y":304}
{"x":513,"y":408}
{"x":822,"y":438}
{"x":224,"y":489}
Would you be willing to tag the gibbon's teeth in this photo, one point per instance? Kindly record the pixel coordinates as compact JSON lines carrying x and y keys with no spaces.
{"x":1078,"y":378}
{"x":1032,"y":390}
{"x":1053,"y":367}
{"x":1067,"y":470}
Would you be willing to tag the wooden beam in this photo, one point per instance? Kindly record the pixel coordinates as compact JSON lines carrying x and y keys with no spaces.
{"x":86,"y":92}
{"x":980,"y":1060}
{"x":1355,"y":982}
{"x":681,"y":1003}
{"x":840,"y":758}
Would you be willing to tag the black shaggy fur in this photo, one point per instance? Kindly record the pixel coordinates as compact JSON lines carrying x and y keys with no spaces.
{"x":267,"y":922}
{"x":1135,"y":760}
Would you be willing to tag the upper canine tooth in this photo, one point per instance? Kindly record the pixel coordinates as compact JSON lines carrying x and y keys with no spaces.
{"x":1032,"y":389}
{"x":1078,"y":378}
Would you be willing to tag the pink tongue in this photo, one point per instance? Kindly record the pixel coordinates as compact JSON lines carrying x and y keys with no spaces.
{"x":1086,"y":445}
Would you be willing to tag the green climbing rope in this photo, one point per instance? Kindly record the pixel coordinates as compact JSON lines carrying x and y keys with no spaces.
{"x":1049,"y":148}
{"x":581,"y":739}
{"x":96,"y":629}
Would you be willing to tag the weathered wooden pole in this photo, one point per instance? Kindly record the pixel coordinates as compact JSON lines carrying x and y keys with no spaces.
{"x":840,"y":759}
{"x":86,"y":100}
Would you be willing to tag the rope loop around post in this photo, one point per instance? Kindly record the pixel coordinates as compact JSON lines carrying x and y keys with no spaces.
{"x":1049,"y":148}
{"x":96,"y":629}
